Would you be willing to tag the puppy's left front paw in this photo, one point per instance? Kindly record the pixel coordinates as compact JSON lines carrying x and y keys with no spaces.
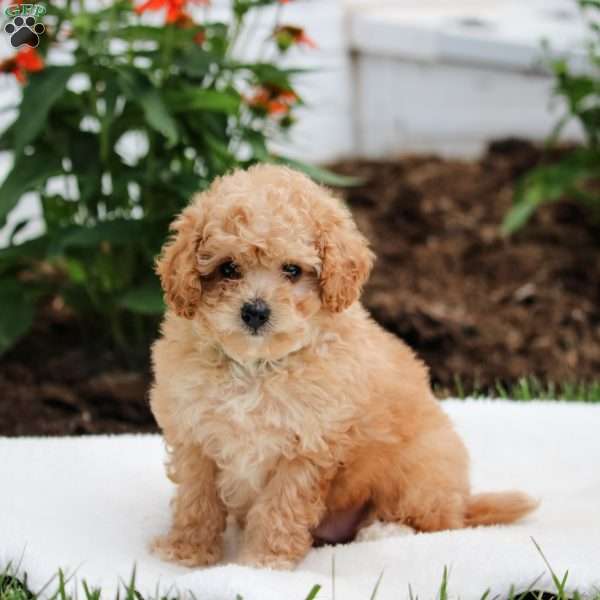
{"x":187,"y":549}
{"x":267,"y":561}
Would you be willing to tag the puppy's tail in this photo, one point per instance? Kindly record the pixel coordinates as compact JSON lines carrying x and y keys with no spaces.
{"x":498,"y":508}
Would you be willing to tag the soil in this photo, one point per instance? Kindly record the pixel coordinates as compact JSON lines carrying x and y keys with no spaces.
{"x":472,"y":303}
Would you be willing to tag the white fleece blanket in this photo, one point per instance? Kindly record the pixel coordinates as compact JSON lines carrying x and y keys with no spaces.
{"x":90,"y":505}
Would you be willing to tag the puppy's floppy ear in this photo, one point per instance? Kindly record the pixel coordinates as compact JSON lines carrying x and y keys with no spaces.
{"x":177,"y":264}
{"x":346,"y":260}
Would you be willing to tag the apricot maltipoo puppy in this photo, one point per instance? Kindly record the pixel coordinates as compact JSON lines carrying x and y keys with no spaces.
{"x":281,"y":401}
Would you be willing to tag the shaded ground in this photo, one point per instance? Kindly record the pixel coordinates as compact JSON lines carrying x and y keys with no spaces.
{"x":52,"y":384}
{"x":474,"y":305}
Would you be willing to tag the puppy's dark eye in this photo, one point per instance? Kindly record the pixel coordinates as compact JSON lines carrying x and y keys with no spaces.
{"x":292,"y":272}
{"x":229,"y":270}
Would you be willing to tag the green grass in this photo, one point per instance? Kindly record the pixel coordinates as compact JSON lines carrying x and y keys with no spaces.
{"x":14,"y":587}
{"x":525,"y":389}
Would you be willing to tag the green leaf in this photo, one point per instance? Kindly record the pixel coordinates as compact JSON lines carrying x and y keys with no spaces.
{"x":574,"y":87}
{"x":84,"y":149}
{"x":213,"y":122}
{"x":191,"y":98}
{"x":551,"y":183}
{"x":7,"y":138}
{"x":196,"y":61}
{"x":517,"y":216}
{"x":219,"y":150}
{"x":121,"y":231}
{"x":141,"y":32}
{"x":185,"y":186}
{"x":27,"y":173}
{"x":34,"y":249}
{"x":140,"y":90}
{"x":76,"y":270}
{"x":589,"y":4}
{"x":258,"y":144}
{"x":57,"y":211}
{"x":145,"y":300}
{"x":313,"y":592}
{"x":16,"y":316}
{"x":17,"y":228}
{"x":324,"y":176}
{"x":40,"y":94}
{"x":269,"y":74}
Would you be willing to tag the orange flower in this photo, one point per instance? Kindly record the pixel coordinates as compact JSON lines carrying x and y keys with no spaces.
{"x":183,"y":21}
{"x":24,"y":61}
{"x":289,"y":96}
{"x":277,"y":108}
{"x":273,"y":100}
{"x":175,"y":8}
{"x":290,"y":35}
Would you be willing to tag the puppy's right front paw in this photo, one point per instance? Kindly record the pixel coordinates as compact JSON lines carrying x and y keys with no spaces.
{"x":187,"y":549}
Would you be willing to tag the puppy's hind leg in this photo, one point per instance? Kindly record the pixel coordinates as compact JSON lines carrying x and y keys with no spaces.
{"x":427,"y":487}
{"x":195,"y":538}
{"x":425,"y":484}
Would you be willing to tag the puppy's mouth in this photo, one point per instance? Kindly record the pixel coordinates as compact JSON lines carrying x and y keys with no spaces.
{"x":262,"y":332}
{"x":266,"y":344}
{"x":255,"y":334}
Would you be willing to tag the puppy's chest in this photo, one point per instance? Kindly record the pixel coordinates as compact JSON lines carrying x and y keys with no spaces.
{"x":247,"y":427}
{"x":247,"y":459}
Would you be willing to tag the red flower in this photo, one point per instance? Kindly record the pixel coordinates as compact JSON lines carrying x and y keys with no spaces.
{"x":24,"y":61}
{"x":290,"y":35}
{"x":175,"y":8}
{"x":29,"y":60}
{"x":273,"y":100}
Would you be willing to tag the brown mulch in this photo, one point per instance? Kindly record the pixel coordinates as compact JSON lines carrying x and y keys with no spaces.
{"x":473,"y":304}
{"x":58,"y":381}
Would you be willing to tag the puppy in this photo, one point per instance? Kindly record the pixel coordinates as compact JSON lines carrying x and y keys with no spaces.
{"x":281,"y":402}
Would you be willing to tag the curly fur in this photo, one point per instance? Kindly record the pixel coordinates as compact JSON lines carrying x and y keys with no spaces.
{"x":323,"y":414}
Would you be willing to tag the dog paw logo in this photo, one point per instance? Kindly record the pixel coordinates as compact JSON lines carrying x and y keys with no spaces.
{"x":24,"y":31}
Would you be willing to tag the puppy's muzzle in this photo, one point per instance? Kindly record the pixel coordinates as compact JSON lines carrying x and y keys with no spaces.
{"x":255,"y":314}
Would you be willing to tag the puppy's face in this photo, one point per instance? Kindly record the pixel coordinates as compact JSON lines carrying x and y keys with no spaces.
{"x":258,"y":259}
{"x":258,"y":306}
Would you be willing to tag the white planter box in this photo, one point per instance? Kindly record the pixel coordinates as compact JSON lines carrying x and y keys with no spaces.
{"x":447,"y":79}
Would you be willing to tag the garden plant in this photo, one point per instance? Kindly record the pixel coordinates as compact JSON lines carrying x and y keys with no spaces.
{"x":126,"y":111}
{"x":575,"y":176}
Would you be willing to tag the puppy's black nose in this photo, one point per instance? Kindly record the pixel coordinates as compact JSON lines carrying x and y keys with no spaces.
{"x":256,"y":314}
